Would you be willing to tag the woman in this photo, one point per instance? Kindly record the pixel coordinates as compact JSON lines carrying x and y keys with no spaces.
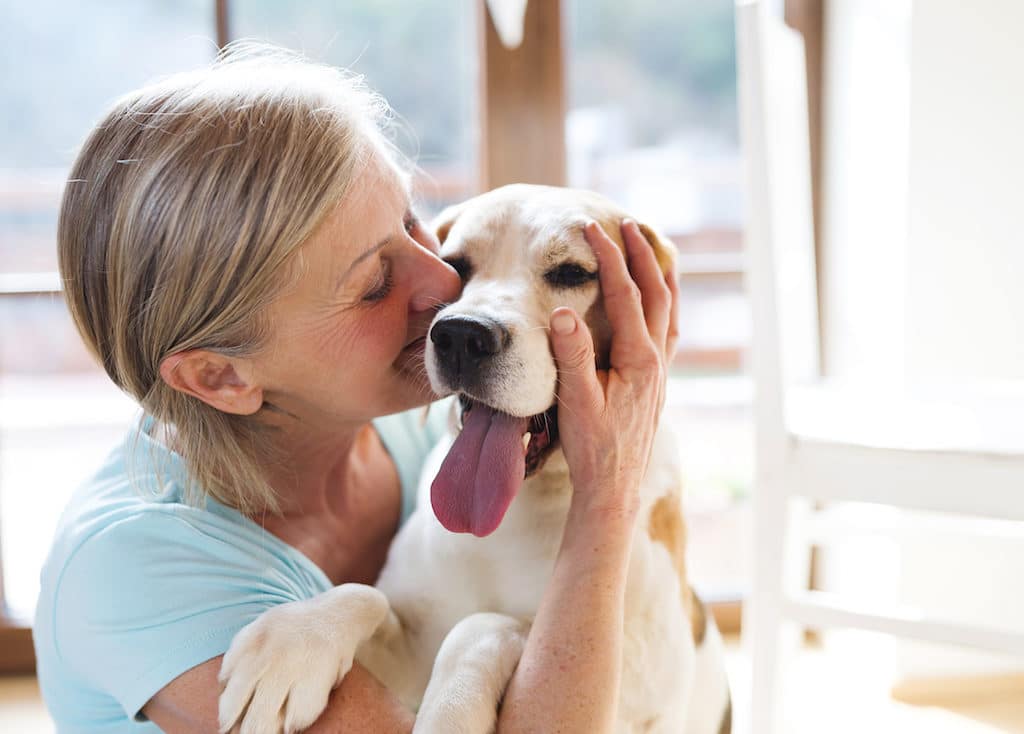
{"x":238,"y":250}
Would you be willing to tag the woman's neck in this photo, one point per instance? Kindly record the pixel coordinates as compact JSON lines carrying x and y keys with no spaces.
{"x":341,"y":500}
{"x":318,"y":469}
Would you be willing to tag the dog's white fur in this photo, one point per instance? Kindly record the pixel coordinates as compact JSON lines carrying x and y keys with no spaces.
{"x":478,"y":596}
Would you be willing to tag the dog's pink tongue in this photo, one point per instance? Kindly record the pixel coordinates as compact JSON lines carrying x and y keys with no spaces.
{"x":482,"y":472}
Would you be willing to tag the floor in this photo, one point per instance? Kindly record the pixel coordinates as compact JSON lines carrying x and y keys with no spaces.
{"x":842,"y":687}
{"x":831,"y":688}
{"x":21,"y":709}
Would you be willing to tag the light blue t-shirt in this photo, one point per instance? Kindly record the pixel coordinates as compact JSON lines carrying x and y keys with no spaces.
{"x":140,"y":587}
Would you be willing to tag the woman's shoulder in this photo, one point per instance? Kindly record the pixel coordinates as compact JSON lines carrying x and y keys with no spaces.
{"x":140,"y":586}
{"x":140,"y":484}
{"x":129,"y":527}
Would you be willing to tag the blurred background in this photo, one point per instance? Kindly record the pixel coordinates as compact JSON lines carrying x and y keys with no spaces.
{"x":918,"y":269}
{"x":650,"y":120}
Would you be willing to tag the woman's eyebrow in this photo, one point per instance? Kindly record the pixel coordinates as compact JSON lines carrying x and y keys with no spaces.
{"x":369,"y":253}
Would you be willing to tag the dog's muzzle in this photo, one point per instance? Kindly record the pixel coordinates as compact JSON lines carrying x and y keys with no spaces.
{"x":465,"y":346}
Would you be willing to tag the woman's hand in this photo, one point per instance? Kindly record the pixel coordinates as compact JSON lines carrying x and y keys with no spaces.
{"x":607,"y":420}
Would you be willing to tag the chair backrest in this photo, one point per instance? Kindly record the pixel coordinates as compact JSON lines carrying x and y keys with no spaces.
{"x":779,"y":230}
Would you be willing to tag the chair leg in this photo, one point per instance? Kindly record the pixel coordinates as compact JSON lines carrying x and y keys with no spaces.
{"x":763,"y":623}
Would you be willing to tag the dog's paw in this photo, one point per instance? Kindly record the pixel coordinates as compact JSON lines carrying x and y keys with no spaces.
{"x":281,"y":668}
{"x":470,"y":674}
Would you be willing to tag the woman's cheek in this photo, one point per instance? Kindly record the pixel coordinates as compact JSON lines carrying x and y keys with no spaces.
{"x":378,"y":337}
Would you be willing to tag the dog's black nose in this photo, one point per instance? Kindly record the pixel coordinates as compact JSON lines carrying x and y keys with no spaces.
{"x":463,"y":344}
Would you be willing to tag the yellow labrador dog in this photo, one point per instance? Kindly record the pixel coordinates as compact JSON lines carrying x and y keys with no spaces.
{"x":446,"y":624}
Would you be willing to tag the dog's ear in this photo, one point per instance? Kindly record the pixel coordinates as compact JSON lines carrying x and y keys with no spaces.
{"x":664,"y":250}
{"x":443,"y":222}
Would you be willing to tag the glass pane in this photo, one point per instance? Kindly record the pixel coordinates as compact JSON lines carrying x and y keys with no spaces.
{"x":653,"y":125}
{"x":422,"y":56}
{"x":62,"y":64}
{"x":652,"y":109}
{"x":59,"y":416}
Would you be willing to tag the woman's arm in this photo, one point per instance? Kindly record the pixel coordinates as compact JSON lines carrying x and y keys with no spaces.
{"x":568,"y":676}
{"x":188,"y":705}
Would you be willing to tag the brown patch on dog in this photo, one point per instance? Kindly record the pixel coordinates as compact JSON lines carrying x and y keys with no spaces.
{"x":600,"y":331}
{"x":664,"y":250}
{"x":666,"y":526}
{"x":726,"y":727}
{"x":699,"y":620}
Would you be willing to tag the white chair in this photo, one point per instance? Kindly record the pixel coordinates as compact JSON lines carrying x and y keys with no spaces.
{"x":818,"y":442}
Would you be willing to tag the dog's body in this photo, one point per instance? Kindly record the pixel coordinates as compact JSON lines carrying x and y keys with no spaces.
{"x":671,"y":648}
{"x":456,"y":608}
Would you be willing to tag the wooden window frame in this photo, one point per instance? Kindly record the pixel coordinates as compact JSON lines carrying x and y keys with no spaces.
{"x":523,"y":100}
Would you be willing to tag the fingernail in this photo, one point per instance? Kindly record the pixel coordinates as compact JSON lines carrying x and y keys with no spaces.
{"x":563,"y":323}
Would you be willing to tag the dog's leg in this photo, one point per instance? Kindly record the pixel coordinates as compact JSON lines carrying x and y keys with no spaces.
{"x":280,"y":669}
{"x":471,"y":672}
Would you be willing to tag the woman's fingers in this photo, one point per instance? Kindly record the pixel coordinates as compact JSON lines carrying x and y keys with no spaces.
{"x":631,"y":342}
{"x":607,"y":418}
{"x":656,"y":298}
{"x":580,"y":391}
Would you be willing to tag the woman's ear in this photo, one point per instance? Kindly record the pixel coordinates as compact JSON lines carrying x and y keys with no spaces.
{"x":225,"y":383}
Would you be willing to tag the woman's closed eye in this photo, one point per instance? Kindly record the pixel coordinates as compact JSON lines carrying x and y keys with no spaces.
{"x":381,"y":285}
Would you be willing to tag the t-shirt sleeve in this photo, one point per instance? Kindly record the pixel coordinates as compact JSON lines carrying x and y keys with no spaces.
{"x":149,"y":597}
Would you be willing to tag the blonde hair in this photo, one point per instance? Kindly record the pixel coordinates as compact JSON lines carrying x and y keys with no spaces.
{"x":178,"y":222}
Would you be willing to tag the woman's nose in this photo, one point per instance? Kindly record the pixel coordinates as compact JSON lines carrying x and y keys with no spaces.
{"x":436,"y":282}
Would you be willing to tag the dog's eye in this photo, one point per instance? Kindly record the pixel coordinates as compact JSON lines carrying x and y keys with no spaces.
{"x":462,"y":267}
{"x":569,"y":275}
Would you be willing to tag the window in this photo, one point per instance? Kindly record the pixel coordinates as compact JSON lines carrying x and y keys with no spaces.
{"x":419,"y":55}
{"x":53,"y":399}
{"x":651,"y":122}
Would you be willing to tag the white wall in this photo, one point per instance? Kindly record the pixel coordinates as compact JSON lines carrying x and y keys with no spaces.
{"x":965,"y":280}
{"x":864,"y":224}
{"x":923,"y":222}
{"x":923,"y":239}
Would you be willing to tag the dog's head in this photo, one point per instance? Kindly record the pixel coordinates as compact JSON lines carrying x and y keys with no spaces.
{"x":521,"y":253}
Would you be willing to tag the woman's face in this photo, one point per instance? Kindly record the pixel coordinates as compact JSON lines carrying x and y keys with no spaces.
{"x":347,"y":340}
